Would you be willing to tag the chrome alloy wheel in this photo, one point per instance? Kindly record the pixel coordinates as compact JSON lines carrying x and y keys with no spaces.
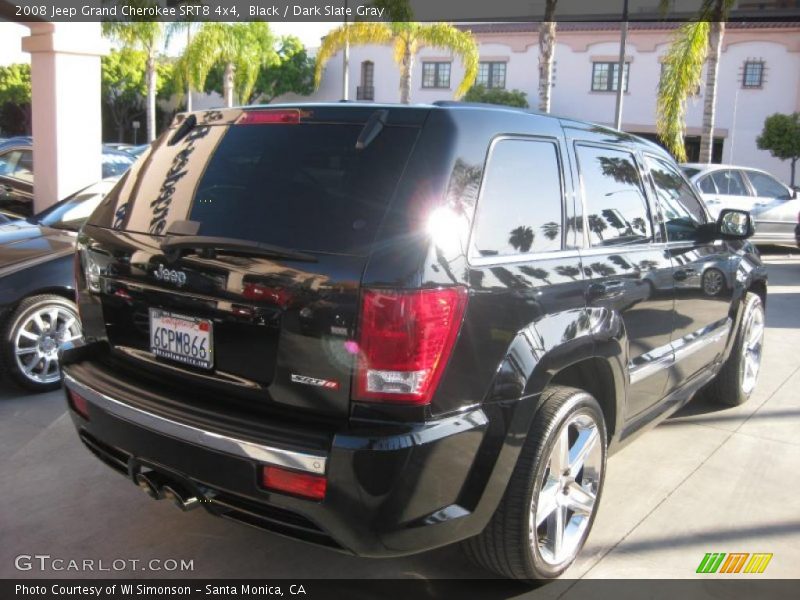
{"x":39,"y":338}
{"x":561,"y":513}
{"x":752,"y":345}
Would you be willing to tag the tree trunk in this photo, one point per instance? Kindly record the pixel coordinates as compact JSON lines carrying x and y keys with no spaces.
{"x":709,"y":102}
{"x":120,"y":132}
{"x":188,"y":85}
{"x":405,"y":75}
{"x":227,"y":85}
{"x":151,"y":98}
{"x":547,"y":42}
{"x":794,"y":166}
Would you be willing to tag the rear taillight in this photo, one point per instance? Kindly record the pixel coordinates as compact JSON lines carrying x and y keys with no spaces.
{"x":304,"y":485}
{"x":404,"y":341}
{"x":270,"y":116}
{"x":79,"y":404}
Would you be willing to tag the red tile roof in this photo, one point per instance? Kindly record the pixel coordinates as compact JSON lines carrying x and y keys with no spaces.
{"x":533,"y":27}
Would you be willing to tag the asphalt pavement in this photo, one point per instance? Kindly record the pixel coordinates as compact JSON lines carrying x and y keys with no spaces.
{"x":706,"y":480}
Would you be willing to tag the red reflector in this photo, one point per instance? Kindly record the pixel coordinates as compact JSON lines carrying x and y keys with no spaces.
{"x":264,"y":117}
{"x":79,"y":404}
{"x":405,"y":339}
{"x":304,"y":485}
{"x":263,"y":293}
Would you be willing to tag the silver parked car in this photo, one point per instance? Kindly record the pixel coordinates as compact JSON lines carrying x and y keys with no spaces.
{"x":773,"y":205}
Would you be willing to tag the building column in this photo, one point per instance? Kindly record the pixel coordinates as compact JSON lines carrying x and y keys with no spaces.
{"x":65,"y":102}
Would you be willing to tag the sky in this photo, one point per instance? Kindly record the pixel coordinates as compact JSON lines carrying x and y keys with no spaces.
{"x":11,"y":35}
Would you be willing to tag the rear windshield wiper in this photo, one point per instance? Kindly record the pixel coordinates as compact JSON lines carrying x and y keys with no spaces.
{"x":211,"y":245}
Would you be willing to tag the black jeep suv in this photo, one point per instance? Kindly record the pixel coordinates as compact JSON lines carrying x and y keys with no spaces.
{"x":384,"y":329}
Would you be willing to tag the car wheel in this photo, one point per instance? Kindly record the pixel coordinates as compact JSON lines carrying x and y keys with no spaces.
{"x":737,"y":378}
{"x":32,"y":336}
{"x":552,"y":497}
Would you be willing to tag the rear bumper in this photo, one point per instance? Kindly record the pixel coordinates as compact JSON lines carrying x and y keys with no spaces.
{"x":392,"y":490}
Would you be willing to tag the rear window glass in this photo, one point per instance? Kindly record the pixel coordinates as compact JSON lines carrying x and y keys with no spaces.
{"x":298,"y":186}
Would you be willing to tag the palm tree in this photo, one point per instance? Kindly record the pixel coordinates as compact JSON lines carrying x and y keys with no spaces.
{"x":551,"y":230}
{"x":568,"y":271}
{"x":146,"y":36}
{"x":243,"y":49}
{"x":407,"y":39}
{"x":536,"y":273}
{"x":694,"y":44}
{"x":603,"y":269}
{"x":547,"y":47}
{"x":181,"y":66}
{"x":521,"y":238}
{"x":597,"y":224}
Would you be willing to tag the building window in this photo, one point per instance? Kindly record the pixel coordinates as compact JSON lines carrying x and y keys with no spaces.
{"x":366,"y":91}
{"x":436,"y":75}
{"x":492,"y":75}
{"x":604,"y":76}
{"x":753,"y":76}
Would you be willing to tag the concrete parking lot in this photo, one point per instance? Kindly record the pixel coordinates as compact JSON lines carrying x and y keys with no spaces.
{"x":707,"y":480}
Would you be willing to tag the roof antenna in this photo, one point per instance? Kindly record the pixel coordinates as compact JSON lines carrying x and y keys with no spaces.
{"x":183,"y":129}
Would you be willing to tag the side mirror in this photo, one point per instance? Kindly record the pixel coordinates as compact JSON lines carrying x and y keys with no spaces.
{"x":735,"y":224}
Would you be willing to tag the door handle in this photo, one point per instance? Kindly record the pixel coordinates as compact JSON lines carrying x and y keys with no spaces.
{"x":683,"y":274}
{"x":605,"y":289}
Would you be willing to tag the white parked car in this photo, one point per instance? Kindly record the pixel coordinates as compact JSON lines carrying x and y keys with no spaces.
{"x":773,"y":205}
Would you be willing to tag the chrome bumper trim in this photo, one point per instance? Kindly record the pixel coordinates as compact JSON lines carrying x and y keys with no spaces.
{"x":301,"y":461}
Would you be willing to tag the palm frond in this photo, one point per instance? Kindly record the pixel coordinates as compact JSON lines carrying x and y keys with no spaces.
{"x":460,"y":43}
{"x":356,"y":34}
{"x":681,"y":74}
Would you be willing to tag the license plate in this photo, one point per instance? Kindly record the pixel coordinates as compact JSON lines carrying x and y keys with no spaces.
{"x":188,"y":340}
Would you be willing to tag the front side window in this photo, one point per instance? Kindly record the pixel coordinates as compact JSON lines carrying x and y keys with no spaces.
{"x":682,"y":210}
{"x":730,"y":183}
{"x":766,"y":186}
{"x":616,"y":206}
{"x":436,"y":74}
{"x":753,"y":76}
{"x":519,"y":210}
{"x":492,"y":75}
{"x":604,"y":76}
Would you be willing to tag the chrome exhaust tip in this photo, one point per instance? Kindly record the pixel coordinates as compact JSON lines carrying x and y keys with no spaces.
{"x":180,"y":497}
{"x":148,"y":485}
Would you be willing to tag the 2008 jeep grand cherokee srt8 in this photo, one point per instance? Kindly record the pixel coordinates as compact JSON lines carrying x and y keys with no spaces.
{"x":384,"y":329}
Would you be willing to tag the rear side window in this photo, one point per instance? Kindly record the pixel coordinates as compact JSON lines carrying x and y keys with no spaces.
{"x":766,"y":186}
{"x":301,"y":186}
{"x":519,"y":210}
{"x":730,"y":183}
{"x":616,"y":206}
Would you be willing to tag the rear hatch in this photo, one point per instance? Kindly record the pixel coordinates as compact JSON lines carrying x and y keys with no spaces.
{"x":230,"y":257}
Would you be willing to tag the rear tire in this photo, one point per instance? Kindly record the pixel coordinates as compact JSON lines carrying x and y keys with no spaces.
{"x":527,"y":537}
{"x":31,"y":338}
{"x":736,"y":380}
